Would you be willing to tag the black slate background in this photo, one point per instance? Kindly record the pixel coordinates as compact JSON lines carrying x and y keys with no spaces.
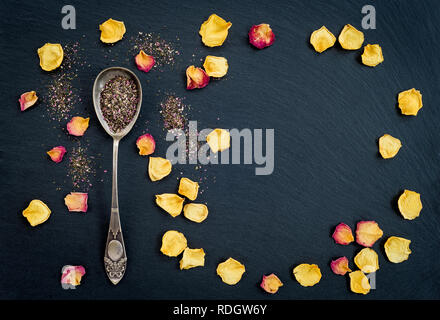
{"x":328,"y":111}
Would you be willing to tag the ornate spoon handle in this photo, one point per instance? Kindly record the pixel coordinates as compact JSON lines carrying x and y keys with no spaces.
{"x":115,"y":259}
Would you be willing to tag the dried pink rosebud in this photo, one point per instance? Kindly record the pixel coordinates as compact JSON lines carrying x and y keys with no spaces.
{"x":77,"y":126}
{"x":57,"y":153}
{"x":27,"y":99}
{"x":144,"y":62}
{"x":146,"y":144}
{"x":72,"y":275}
{"x":76,"y":201}
{"x":340,"y":266}
{"x":343,"y":234}
{"x":196,"y":78}
{"x":261,"y":36}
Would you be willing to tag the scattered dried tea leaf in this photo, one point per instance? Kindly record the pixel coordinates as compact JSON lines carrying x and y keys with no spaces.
{"x":192,"y":258}
{"x":27,"y":99}
{"x":261,"y":36}
{"x":144,"y":62}
{"x":359,"y":282}
{"x":219,"y":140}
{"x":350,"y":38}
{"x":170,"y":202}
{"x":389,"y":146}
{"x":343,"y":234}
{"x":77,"y":126}
{"x":271,"y":283}
{"x":340,"y":266}
{"x":51,"y":55}
{"x":196,"y":212}
{"x":230,"y":271}
{"x":367,"y":233}
{"x":214,"y":31}
{"x":112,"y":31}
{"x":367,"y":260}
{"x":196,"y":78}
{"x":372,"y":55}
{"x":307,"y":274}
{"x":173,"y":243}
{"x":158,"y":168}
{"x":322,"y":39}
{"x":76,"y":201}
{"x":410,"y":102}
{"x":410,"y":204}
{"x":215,"y":66}
{"x":57,"y":153}
{"x":397,"y":249}
{"x":72,"y":275}
{"x":146,"y":144}
{"x":188,"y":188}
{"x":37,"y":212}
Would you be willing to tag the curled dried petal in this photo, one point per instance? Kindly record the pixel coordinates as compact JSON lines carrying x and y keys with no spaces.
{"x":410,"y":204}
{"x":27,"y":99}
{"x":343,"y":234}
{"x":261,"y":36}
{"x":37,"y":212}
{"x":397,"y":249}
{"x":76,"y":201}
{"x":57,"y":153}
{"x":72,"y":275}
{"x":230,"y":271}
{"x":77,"y":126}
{"x":271,"y":283}
{"x":367,"y":260}
{"x":359,"y":282}
{"x":372,"y":55}
{"x":196,"y":78}
{"x":51,"y":56}
{"x":322,"y":39}
{"x":173,"y":243}
{"x":192,"y":258}
{"x":158,"y":168}
{"x":307,"y":274}
{"x":367,"y":233}
{"x":112,"y":31}
{"x":146,"y":144}
{"x":219,"y":140}
{"x":340,"y":266}
{"x":188,"y":188}
{"x":350,"y":38}
{"x":214,"y":31}
{"x":215,"y":66}
{"x":389,"y":146}
{"x":170,"y":202}
{"x":144,"y":62}
{"x":196,"y":212}
{"x":410,"y":102}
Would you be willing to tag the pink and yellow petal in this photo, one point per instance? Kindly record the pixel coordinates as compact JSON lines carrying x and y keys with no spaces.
{"x":76,"y":201}
{"x":196,"y":78}
{"x":77,"y":126}
{"x":27,"y":99}
{"x":146,"y":144}
{"x":261,"y":36}
{"x":271,"y":283}
{"x":57,"y":153}
{"x":144,"y":62}
{"x":367,"y":233}
{"x":72,"y":275}
{"x":340,"y":266}
{"x":343,"y":234}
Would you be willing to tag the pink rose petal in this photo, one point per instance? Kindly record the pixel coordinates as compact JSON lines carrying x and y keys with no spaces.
{"x":57,"y":153}
{"x":76,"y":201}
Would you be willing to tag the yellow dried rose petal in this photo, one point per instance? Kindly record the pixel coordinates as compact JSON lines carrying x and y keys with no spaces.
{"x":112,"y":31}
{"x":192,"y":258}
{"x":322,"y":39}
{"x":397,"y":249}
{"x":196,"y":212}
{"x":219,"y":140}
{"x":188,"y":188}
{"x":307,"y":274}
{"x":170,"y":202}
{"x":214,"y":31}
{"x":350,"y":38}
{"x":359,"y":282}
{"x":37,"y":212}
{"x":389,"y":146}
{"x":409,"y":204}
{"x":367,"y":260}
{"x":271,"y":283}
{"x":158,"y":168}
{"x":215,"y":66}
{"x":51,"y":55}
{"x":367,"y":233}
{"x":372,"y":55}
{"x":173,"y":243}
{"x":410,"y":102}
{"x":230,"y":271}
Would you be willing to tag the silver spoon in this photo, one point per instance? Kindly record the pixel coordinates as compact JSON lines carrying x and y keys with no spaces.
{"x":115,"y":258}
